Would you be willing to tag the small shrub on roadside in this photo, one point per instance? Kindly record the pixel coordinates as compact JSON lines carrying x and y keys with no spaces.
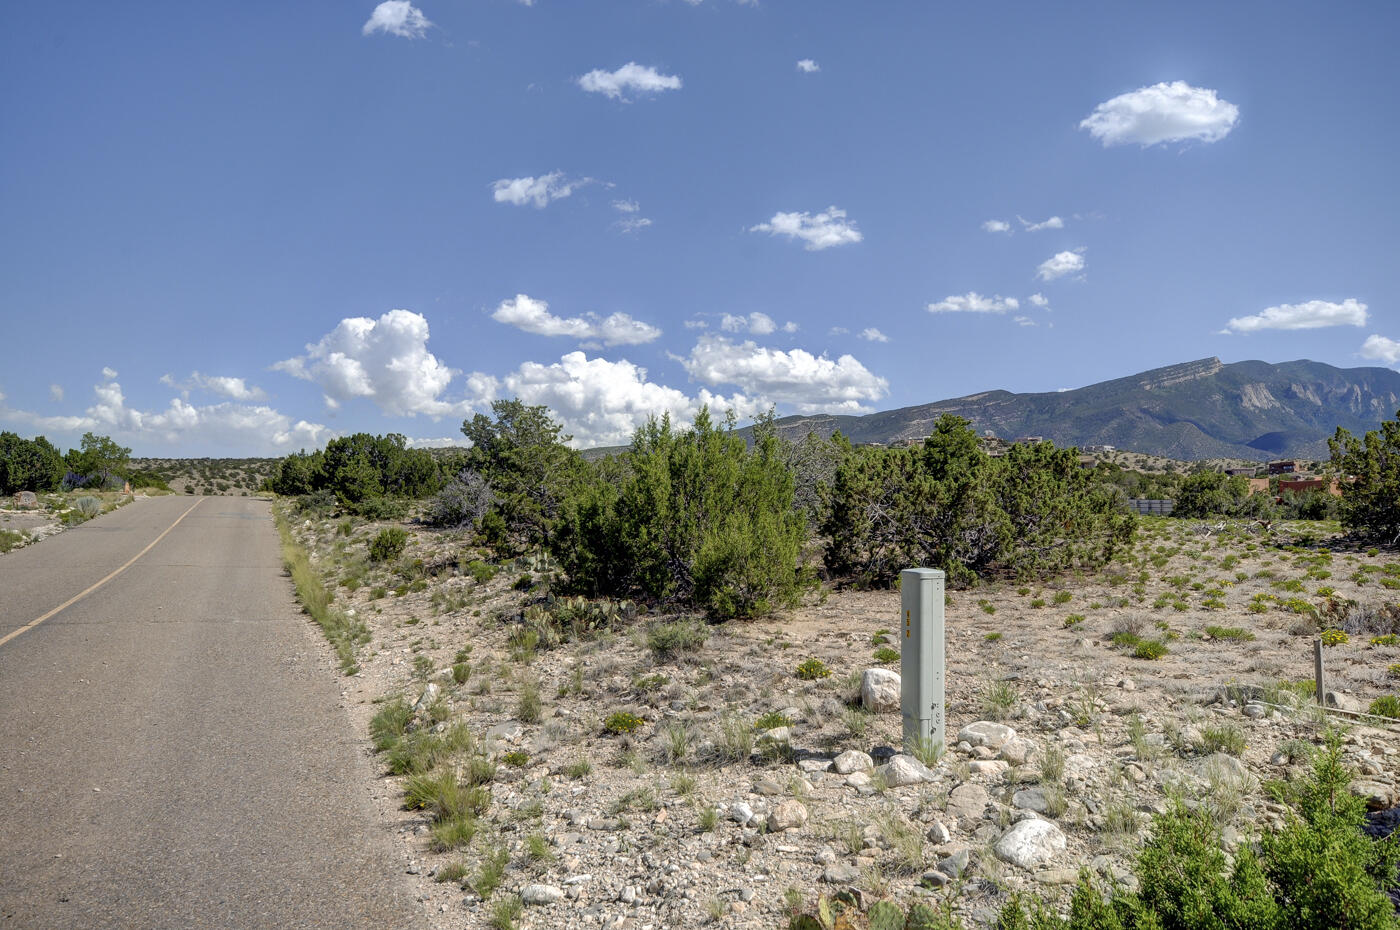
{"x":812,"y":670}
{"x":388,"y":545}
{"x":1386,"y":706}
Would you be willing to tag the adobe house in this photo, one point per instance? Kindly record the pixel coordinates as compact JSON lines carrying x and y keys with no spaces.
{"x":1310,"y":485}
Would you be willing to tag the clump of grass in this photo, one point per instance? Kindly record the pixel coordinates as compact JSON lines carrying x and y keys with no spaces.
{"x":452,"y":872}
{"x":1229,"y":633}
{"x":516,"y":758}
{"x":490,"y":872}
{"x":1052,"y":765}
{"x":708,"y":819}
{"x":885,"y":655}
{"x":537,"y":849}
{"x":677,"y":742}
{"x":1073,"y":620}
{"x":505,"y":911}
{"x":999,"y":700}
{"x":1062,"y":597}
{"x":529,"y":707}
{"x":1227,"y":739}
{"x":987,"y":606}
{"x":676,"y":637}
{"x":389,"y":723}
{"x":343,"y":632}
{"x":735,"y":739}
{"x":579,"y":768}
{"x":992,"y":637}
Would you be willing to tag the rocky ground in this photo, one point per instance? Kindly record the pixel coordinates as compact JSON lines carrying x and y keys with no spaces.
{"x":746,"y":790}
{"x":25,"y":526}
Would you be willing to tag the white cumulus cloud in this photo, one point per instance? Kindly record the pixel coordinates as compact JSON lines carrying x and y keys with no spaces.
{"x":226,"y":427}
{"x":1053,"y":223}
{"x":760,"y":324}
{"x":538,"y":191}
{"x":997,"y":226}
{"x":1381,"y":349}
{"x":973,"y":302}
{"x":397,"y":18}
{"x":1314,"y":314}
{"x":820,"y":231}
{"x":533,"y":316}
{"x":807,"y":66}
{"x":871,"y":334}
{"x":1175,"y":112}
{"x":1060,"y":264}
{"x":601,"y":402}
{"x":631,"y":77}
{"x":55,"y":393}
{"x":805,"y":382}
{"x":1023,"y":321}
{"x":223,"y":385}
{"x":385,"y":360}
{"x":1039,"y":300}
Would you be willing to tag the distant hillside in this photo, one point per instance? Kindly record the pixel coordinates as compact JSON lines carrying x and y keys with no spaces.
{"x":1196,"y":410}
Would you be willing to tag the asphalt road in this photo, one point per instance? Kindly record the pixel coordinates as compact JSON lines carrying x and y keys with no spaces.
{"x":171,"y":749}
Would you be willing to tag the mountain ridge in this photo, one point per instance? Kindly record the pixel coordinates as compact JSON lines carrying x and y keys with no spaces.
{"x":1191,"y":410}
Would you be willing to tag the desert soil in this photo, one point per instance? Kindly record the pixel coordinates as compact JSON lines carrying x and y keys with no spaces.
{"x":665,"y":827}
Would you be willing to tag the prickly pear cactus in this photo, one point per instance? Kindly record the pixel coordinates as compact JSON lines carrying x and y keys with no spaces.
{"x":885,"y":915}
{"x":921,"y":917}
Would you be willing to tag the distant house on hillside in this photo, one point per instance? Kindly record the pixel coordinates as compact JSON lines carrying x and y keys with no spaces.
{"x":1309,"y":486}
{"x":1100,"y":449}
{"x":1248,"y":472}
{"x":1030,"y":440}
{"x":1283,"y":467}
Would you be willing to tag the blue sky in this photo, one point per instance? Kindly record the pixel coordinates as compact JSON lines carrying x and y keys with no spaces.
{"x":245,"y":229}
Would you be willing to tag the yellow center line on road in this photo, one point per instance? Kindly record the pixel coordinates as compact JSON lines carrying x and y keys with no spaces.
{"x":78,"y":597}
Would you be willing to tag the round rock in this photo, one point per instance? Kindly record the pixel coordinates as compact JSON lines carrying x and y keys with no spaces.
{"x":1030,"y":844}
{"x":986,"y":733}
{"x":852,"y":760}
{"x":880,"y":689}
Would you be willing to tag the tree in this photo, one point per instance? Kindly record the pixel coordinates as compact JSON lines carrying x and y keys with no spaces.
{"x":693,"y":518}
{"x":298,"y":473}
{"x":28,"y":464}
{"x":1208,"y":493}
{"x":523,"y":456}
{"x":98,"y":458}
{"x":1370,"y":470}
{"x":949,"y":505}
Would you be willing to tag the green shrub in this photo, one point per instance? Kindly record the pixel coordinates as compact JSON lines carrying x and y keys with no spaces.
{"x":772,"y":720}
{"x":885,"y":655}
{"x":812,"y":669}
{"x":949,"y":505}
{"x":1149,"y":649}
{"x":388,"y":545}
{"x":692,"y":518}
{"x":676,"y":637}
{"x":1385,"y":706}
{"x":622,"y":721}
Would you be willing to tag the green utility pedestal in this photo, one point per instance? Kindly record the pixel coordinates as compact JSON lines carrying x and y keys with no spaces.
{"x":921,"y":656}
